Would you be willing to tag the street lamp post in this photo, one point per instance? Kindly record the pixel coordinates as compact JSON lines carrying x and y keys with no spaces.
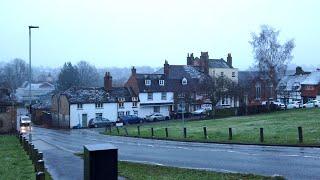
{"x":30,"y":95}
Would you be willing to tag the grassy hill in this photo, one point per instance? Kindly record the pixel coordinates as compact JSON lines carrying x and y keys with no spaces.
{"x":279,"y":128}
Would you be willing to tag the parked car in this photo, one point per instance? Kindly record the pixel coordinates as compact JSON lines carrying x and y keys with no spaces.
{"x":157,"y":117}
{"x":294,"y":105}
{"x":131,"y":119}
{"x":199,"y":112}
{"x":311,"y":104}
{"x":99,"y":122}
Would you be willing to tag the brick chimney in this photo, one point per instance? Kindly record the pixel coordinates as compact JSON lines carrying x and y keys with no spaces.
{"x":107,"y":81}
{"x":299,"y":70}
{"x":204,"y":62}
{"x":190,"y":60}
{"x":133,"y":71}
{"x":229,"y":60}
{"x":166,"y":67}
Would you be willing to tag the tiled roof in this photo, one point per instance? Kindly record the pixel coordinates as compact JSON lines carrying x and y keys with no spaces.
{"x":218,"y":63}
{"x":173,"y":82}
{"x":97,"y":95}
{"x":312,"y":79}
{"x":289,"y":81}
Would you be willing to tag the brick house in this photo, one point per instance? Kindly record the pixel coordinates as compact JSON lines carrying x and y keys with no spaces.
{"x":182,"y":85}
{"x":76,"y":106}
{"x":310,"y":89}
{"x":256,"y":88}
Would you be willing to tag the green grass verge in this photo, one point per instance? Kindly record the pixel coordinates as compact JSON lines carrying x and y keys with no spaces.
{"x":14,"y":161}
{"x":138,"y":171}
{"x":280,"y":128}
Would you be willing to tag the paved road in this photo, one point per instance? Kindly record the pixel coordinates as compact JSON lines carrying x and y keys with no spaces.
{"x":58,"y":147}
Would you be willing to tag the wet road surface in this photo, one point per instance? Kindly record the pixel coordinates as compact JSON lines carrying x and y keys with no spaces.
{"x":59,"y":146}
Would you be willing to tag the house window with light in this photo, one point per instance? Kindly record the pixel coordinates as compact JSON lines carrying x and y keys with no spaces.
{"x":147,"y":82}
{"x":161,"y":82}
{"x":99,"y":105}
{"x":184,"y":81}
{"x":150,"y":96}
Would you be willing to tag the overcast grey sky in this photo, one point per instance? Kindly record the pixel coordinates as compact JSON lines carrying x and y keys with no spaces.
{"x":146,"y":32}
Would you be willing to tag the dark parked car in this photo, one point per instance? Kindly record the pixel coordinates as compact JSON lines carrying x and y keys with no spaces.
{"x":131,"y":119}
{"x":99,"y":122}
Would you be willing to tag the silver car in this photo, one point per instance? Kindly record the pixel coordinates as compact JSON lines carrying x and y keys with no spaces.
{"x":157,"y":117}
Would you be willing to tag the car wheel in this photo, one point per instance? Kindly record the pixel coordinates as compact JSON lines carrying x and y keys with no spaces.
{"x":316,"y":105}
{"x":167,"y":118}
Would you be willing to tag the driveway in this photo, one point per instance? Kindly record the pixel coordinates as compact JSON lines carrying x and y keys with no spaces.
{"x":59,"y":147}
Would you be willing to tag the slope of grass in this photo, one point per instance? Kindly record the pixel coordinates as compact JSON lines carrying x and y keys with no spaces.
{"x":14,"y":162}
{"x":279,"y":128}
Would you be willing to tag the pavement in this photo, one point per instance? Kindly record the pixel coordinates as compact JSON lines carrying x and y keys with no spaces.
{"x":59,"y":146}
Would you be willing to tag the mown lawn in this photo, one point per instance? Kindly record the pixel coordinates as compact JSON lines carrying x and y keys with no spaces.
{"x":14,"y":162}
{"x":279,"y":128}
{"x":137,"y":171}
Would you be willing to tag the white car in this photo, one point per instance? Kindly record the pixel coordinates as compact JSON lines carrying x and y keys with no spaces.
{"x":294,"y":105}
{"x":311,"y":104}
{"x":25,"y":120}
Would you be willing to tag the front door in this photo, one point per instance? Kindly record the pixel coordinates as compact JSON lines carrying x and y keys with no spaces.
{"x":84,"y":120}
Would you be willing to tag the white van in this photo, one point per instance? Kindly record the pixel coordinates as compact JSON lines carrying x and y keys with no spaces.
{"x":25,"y":121}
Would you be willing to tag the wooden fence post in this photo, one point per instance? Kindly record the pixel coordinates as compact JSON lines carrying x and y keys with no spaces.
{"x":185,"y":132}
{"x":126,"y":131}
{"x":300,"y":134}
{"x":167,"y":134}
{"x":261,"y":135}
{"x":40,"y":176}
{"x":152,"y":134}
{"x":138,"y":127}
{"x":230,"y":133}
{"x":205,"y":132}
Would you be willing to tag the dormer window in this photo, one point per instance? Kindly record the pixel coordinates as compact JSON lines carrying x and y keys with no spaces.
{"x":161,"y":82}
{"x":147,"y":82}
{"x":121,"y":99}
{"x":184,"y":81}
{"x":134,"y":98}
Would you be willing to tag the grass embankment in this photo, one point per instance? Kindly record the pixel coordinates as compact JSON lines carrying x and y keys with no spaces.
{"x":14,"y":162}
{"x":137,"y":171}
{"x":279,"y":128}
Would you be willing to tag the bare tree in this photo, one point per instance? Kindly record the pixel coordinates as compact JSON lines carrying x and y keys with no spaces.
{"x":271,"y":56}
{"x":15,"y":73}
{"x":88,"y":74}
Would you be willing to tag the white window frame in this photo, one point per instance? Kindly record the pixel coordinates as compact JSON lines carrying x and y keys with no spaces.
{"x":151,"y":95}
{"x":147,"y":82}
{"x":121,"y":105}
{"x":99,"y":105}
{"x":184,"y":81}
{"x":161,"y":82}
{"x":134,"y":104}
{"x":163,"y":95}
{"x":79,"y":106}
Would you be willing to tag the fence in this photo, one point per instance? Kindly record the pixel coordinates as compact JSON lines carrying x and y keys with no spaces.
{"x":34,"y":155}
{"x":184,"y":133}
